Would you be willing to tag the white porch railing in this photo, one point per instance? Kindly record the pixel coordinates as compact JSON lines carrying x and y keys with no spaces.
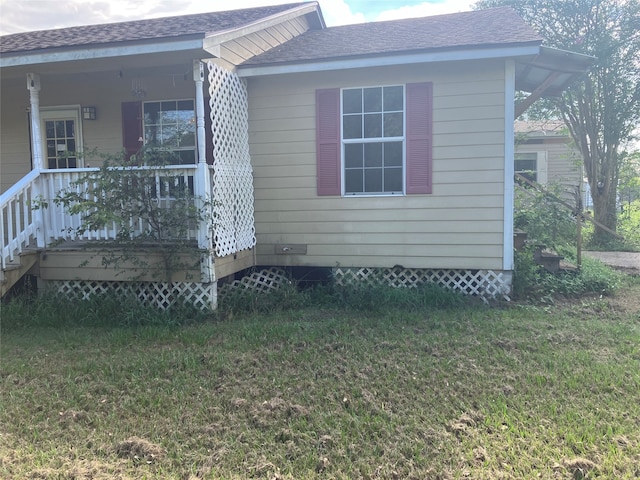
{"x":60,"y":225}
{"x":18,"y":222}
{"x":21,"y":225}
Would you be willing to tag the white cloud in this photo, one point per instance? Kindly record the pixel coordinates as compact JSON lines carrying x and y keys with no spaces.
{"x":29,"y":15}
{"x":337,"y":12}
{"x":426,"y":9}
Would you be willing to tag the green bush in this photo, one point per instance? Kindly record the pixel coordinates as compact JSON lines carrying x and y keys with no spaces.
{"x":531,"y":281}
{"x":545,"y":220}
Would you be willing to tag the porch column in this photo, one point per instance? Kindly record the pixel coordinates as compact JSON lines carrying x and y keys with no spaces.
{"x":202,"y":182}
{"x":33,"y":85}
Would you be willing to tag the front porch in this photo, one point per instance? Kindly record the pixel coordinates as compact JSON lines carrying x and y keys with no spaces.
{"x":41,"y":237}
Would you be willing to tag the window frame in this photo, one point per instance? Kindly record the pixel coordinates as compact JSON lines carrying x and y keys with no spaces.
{"x":165,"y":148}
{"x":541,"y":170}
{"x":373,"y":140}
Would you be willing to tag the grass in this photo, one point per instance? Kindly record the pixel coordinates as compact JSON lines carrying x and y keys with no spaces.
{"x":514,"y":392}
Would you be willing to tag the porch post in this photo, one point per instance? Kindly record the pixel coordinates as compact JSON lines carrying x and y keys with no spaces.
{"x":33,"y":85}
{"x":202,"y":183}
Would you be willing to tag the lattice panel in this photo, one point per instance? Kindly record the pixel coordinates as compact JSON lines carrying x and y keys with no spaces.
{"x":232,"y":172}
{"x":261,"y":281}
{"x":483,"y":283}
{"x":158,"y":294}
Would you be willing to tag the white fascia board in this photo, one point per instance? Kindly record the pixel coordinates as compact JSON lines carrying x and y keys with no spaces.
{"x":84,"y":53}
{"x":218,"y":38}
{"x":387,"y":60}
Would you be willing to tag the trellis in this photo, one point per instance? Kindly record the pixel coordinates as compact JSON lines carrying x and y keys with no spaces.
{"x":232,"y":172}
{"x":161,"y":295}
{"x":483,"y":283}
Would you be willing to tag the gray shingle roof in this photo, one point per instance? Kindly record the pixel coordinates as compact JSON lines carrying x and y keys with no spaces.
{"x":482,"y":28}
{"x":92,"y":35}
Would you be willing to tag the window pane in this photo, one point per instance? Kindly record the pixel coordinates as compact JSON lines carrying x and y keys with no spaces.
{"x":70,"y":128}
{"x":151,"y":134}
{"x":352,"y":101}
{"x":353,"y":155}
{"x":187,"y":138}
{"x":373,"y":99}
{"x":186,"y":105}
{"x":393,"y":98}
{"x":525,"y":165}
{"x":353,"y":181}
{"x":373,"y":125}
{"x":393,"y":125}
{"x":50,"y":128}
{"x":187,"y":157}
{"x":373,"y":155}
{"x":71,"y":145}
{"x":60,"y":128}
{"x":393,"y":179}
{"x":168,"y":106}
{"x":352,"y":126}
{"x":373,"y":180}
{"x":393,"y":154}
{"x":168,"y":137}
{"x":72,"y":162}
{"x":151,"y":113}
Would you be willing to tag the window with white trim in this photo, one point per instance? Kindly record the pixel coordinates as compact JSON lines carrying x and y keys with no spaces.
{"x":373,"y":140}
{"x":526,"y":165}
{"x":171,"y":125}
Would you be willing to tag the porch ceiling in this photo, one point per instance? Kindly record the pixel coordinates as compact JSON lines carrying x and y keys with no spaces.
{"x":549,"y":73}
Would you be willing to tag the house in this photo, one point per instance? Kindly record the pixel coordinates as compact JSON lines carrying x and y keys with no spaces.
{"x":545,"y":153}
{"x":381,"y":149}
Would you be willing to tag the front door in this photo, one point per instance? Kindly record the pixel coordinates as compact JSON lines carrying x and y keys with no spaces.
{"x":62,"y":138}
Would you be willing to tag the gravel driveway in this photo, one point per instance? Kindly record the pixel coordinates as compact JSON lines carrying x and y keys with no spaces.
{"x":627,"y":260}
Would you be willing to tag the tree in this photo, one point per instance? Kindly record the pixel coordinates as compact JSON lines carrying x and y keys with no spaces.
{"x":601,"y":111}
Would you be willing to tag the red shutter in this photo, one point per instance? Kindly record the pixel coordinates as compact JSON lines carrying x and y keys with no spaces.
{"x":328,"y":141}
{"x":208,"y":133}
{"x":131,"y":127}
{"x":419,"y":137}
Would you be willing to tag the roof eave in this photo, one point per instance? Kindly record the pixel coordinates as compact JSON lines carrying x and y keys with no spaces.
{"x":193,"y":43}
{"x":379,"y":60}
{"x":217,"y":38}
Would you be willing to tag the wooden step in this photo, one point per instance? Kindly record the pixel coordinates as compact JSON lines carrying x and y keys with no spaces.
{"x":14,"y":271}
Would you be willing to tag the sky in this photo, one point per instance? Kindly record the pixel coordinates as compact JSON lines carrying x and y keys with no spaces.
{"x":28,"y":15}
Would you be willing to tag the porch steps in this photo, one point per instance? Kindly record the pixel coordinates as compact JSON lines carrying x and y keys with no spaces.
{"x":13,"y":272}
{"x":551,"y":261}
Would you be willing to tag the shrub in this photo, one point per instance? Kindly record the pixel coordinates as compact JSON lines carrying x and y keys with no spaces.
{"x":532,"y":281}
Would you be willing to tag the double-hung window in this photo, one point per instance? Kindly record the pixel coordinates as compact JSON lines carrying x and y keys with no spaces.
{"x":171,"y":126}
{"x":373,"y":140}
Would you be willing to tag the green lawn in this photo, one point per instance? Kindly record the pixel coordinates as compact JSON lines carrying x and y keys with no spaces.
{"x":510,"y":392}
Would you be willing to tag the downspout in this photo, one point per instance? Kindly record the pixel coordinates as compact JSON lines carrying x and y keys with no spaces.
{"x":509,"y":118}
{"x":33,"y":85}
{"x":202,"y":185}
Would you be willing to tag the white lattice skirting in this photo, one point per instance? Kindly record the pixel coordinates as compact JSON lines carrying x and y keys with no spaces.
{"x":260,"y":281}
{"x":161,"y":295}
{"x":483,"y":283}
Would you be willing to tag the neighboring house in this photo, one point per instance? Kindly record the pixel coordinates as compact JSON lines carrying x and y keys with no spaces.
{"x":545,"y":153}
{"x":381,"y":148}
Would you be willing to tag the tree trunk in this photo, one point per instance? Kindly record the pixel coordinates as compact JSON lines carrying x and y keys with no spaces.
{"x":604,"y":212}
